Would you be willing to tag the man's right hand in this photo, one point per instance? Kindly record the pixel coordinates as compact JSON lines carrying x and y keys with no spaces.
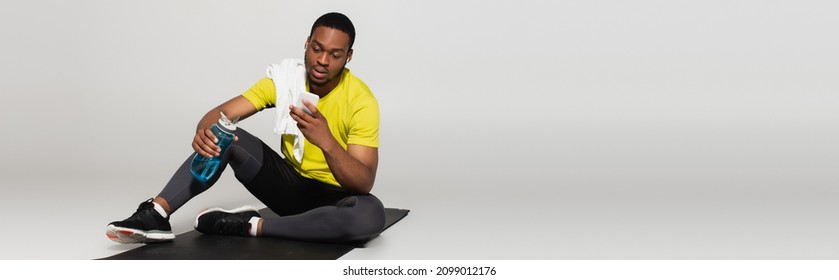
{"x":204,"y":143}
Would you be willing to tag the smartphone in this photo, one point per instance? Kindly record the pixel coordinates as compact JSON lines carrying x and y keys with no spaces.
{"x":313,"y":98}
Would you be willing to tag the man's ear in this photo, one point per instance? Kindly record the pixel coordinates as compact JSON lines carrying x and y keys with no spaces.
{"x":306,"y":45}
{"x":349,"y":56}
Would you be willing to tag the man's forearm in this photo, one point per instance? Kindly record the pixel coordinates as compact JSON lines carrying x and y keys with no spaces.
{"x":350,"y":172}
{"x":238,"y":107}
{"x":209,"y":119}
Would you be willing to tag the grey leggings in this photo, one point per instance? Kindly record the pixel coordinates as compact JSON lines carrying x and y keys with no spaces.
{"x":308,"y":209}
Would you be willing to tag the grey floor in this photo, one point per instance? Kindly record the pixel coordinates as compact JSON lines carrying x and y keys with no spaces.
{"x":515,"y":130}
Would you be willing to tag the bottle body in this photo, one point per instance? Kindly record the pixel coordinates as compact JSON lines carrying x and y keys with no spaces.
{"x":203,"y":168}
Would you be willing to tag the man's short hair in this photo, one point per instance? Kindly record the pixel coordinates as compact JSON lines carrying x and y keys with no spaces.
{"x":336,"y":21}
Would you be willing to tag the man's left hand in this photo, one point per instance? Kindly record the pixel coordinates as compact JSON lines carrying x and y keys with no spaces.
{"x":314,"y":127}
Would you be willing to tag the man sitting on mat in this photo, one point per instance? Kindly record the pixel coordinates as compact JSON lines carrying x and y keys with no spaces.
{"x":323,"y":196}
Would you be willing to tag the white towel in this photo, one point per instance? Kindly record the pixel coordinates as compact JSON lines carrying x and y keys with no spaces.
{"x":290,"y":80}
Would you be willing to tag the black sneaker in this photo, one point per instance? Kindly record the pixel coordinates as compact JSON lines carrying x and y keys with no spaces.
{"x":145,"y":226}
{"x":229,"y":222}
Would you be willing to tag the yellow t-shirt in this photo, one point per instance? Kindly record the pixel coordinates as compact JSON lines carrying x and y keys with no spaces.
{"x":351,"y":111}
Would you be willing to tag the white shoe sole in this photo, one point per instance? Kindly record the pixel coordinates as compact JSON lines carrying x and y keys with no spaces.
{"x":232,"y":211}
{"x":128,"y":235}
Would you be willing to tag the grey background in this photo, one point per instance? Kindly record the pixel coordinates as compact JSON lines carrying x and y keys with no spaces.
{"x":519,"y":130}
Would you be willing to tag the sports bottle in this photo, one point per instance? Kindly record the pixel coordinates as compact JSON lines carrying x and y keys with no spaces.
{"x":203,"y":168}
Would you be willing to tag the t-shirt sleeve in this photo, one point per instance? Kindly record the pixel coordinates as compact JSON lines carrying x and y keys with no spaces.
{"x":262,"y":95}
{"x":364,"y":125}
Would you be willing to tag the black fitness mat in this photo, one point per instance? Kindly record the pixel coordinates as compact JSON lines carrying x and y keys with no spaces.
{"x":194,"y":245}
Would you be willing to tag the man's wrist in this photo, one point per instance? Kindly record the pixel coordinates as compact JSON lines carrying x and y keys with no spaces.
{"x":330,"y":147}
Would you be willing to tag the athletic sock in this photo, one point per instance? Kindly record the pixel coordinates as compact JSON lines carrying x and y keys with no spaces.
{"x":160,"y":210}
{"x":254,"y":225}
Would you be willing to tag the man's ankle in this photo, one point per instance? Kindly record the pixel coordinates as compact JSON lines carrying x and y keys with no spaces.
{"x":162,"y":206}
